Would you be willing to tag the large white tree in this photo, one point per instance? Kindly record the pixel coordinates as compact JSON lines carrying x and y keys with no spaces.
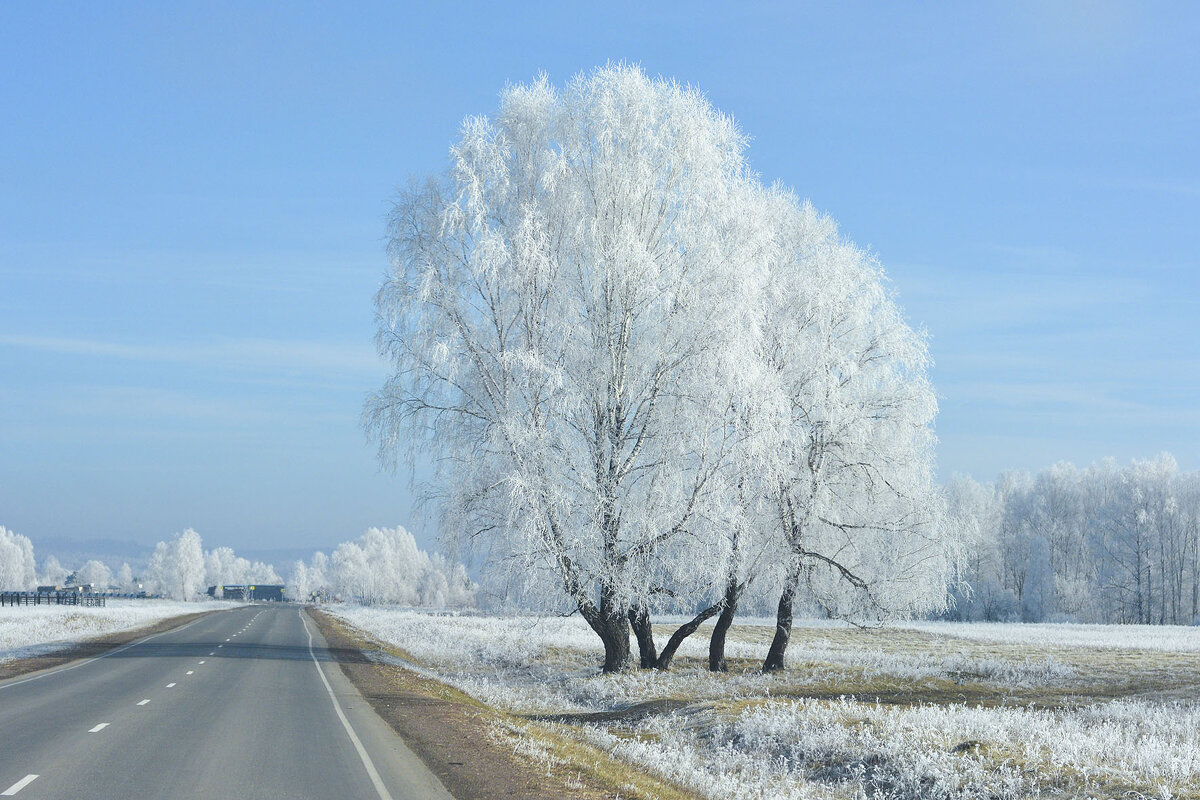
{"x":176,"y":568}
{"x":17,"y":568}
{"x":851,"y":477}
{"x":564,"y":321}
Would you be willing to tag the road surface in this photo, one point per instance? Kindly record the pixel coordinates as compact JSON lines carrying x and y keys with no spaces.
{"x":242,"y":703}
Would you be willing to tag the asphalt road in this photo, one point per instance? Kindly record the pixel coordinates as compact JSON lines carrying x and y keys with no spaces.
{"x":237,"y":704}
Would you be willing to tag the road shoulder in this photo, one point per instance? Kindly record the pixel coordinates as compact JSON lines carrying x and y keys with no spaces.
{"x":478,"y":752}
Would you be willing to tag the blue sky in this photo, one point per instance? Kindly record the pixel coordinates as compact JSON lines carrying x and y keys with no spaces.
{"x":193,"y":200}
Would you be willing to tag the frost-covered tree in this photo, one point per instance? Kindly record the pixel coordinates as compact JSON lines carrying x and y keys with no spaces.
{"x":975,"y":511}
{"x":223,"y":567}
{"x":1101,"y":544}
{"x":385,"y":566}
{"x":96,"y":574}
{"x":176,"y":568}
{"x":124,"y":578}
{"x":856,"y":506}
{"x":17,"y":568}
{"x":53,"y":572}
{"x":563,"y":317}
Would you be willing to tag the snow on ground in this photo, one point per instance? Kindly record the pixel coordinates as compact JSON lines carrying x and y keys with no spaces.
{"x":1166,"y":638}
{"x":27,"y":631}
{"x":933,"y":710}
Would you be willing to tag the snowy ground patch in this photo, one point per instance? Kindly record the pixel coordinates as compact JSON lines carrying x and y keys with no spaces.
{"x":927,"y":711}
{"x":1165,"y":638}
{"x":27,"y":631}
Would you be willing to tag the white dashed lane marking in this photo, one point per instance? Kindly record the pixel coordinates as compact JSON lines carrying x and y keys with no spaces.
{"x":142,"y":703}
{"x":191,"y":672}
{"x":18,"y":786}
{"x":201,"y":662}
{"x":169,"y":685}
{"x":99,"y":727}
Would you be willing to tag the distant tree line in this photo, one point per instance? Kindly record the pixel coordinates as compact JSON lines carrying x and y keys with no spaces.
{"x":384,"y":565}
{"x":1102,"y":544}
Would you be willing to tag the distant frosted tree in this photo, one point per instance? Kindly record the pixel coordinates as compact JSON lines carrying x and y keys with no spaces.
{"x":95,"y":573}
{"x":124,"y":578}
{"x":386,"y":566}
{"x":223,"y":567}
{"x":299,"y":583}
{"x":565,"y":319}
{"x":976,"y":511}
{"x":176,"y":568}
{"x":53,"y":573}
{"x":1102,"y":544}
{"x":311,"y":579}
{"x":17,"y":568}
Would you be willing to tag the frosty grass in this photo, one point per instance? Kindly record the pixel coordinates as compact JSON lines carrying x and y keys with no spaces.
{"x":27,"y":631}
{"x":818,"y":731}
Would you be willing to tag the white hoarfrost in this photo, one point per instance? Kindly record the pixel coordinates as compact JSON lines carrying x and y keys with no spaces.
{"x":17,"y":572}
{"x":29,"y":630}
{"x":384,"y":565}
{"x":818,"y":731}
{"x":633,"y":365}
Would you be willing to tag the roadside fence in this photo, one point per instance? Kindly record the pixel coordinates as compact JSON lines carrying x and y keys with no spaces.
{"x":50,"y":599}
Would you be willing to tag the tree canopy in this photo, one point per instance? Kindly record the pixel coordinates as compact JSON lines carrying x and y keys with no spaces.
{"x":620,"y":349}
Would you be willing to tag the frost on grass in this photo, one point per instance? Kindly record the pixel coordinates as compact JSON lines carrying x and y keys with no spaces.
{"x":27,"y":631}
{"x":1164,"y":638}
{"x":817,"y":731}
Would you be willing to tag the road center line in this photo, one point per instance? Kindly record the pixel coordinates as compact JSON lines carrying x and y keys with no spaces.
{"x":147,"y":700}
{"x":18,"y":786}
{"x":99,"y":727}
{"x":362,"y":751}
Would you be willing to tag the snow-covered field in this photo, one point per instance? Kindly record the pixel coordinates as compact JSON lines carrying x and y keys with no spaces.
{"x":27,"y":631}
{"x":933,"y":710}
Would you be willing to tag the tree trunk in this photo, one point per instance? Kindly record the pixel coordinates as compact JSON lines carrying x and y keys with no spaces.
{"x":684,"y":631}
{"x":716,"y":644}
{"x":610,"y":621}
{"x":639,"y":619}
{"x":615,"y":635}
{"x":783,"y":624}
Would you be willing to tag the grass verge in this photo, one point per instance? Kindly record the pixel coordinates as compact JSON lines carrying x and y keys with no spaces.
{"x":479,"y":752}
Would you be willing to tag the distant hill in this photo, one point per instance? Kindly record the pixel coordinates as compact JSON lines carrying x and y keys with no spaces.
{"x":72,"y":553}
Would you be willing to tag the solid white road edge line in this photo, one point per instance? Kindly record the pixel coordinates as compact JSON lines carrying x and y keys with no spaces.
{"x":99,"y":727}
{"x":18,"y":786}
{"x":362,"y":751}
